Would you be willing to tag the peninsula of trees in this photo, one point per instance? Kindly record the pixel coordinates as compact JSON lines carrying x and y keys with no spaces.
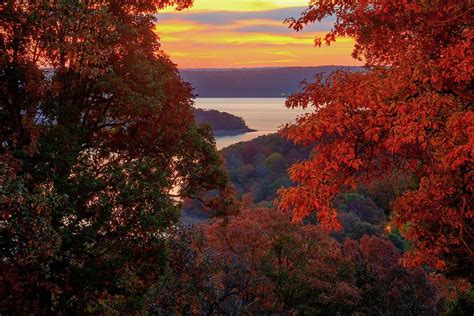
{"x":222,"y":123}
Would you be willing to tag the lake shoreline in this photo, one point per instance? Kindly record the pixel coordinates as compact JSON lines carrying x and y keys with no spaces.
{"x":262,"y":115}
{"x":223,"y":133}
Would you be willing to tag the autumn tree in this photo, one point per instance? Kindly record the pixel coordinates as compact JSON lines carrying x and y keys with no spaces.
{"x":385,"y":286}
{"x":262,"y":262}
{"x":258,"y":262}
{"x":358,"y":216}
{"x":408,"y":114}
{"x":98,"y":146}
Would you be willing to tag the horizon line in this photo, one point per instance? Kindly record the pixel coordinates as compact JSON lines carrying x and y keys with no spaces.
{"x":262,"y":68}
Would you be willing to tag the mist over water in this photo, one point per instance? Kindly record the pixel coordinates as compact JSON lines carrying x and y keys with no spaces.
{"x":266,"y":115}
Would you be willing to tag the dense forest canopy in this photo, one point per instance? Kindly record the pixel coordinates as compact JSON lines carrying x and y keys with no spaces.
{"x":363,"y":208}
{"x":262,"y":262}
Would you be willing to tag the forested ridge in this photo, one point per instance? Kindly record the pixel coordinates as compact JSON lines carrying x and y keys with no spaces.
{"x":260,"y":166}
{"x":254,"y":82}
{"x":363,"y":206}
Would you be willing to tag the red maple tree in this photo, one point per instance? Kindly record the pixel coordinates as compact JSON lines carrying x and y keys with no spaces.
{"x":409,"y":113}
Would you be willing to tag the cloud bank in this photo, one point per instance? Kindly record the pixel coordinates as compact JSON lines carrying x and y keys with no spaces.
{"x":229,"y":39}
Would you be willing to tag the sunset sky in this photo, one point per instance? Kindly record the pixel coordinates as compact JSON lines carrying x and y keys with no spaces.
{"x":246,"y":33}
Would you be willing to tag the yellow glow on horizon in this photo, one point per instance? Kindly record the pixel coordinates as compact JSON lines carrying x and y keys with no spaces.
{"x":212,"y":55}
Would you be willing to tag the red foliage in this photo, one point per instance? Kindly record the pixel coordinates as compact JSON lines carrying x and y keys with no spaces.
{"x":409,"y":113}
{"x":260,"y":262}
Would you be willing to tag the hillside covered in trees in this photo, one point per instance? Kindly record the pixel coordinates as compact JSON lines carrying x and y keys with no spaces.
{"x":260,"y":166}
{"x":258,"y":169}
{"x":253,"y":82}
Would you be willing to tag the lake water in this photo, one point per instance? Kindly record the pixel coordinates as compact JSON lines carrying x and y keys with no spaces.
{"x":266,"y":115}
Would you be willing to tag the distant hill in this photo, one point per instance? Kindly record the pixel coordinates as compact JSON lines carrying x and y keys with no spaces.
{"x":252,"y":82}
{"x":260,"y":166}
{"x":222,"y":123}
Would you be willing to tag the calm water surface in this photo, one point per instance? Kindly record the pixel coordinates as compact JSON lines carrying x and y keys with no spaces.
{"x":266,"y":115}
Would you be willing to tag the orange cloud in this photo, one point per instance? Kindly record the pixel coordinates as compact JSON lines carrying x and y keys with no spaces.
{"x":202,"y":38}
